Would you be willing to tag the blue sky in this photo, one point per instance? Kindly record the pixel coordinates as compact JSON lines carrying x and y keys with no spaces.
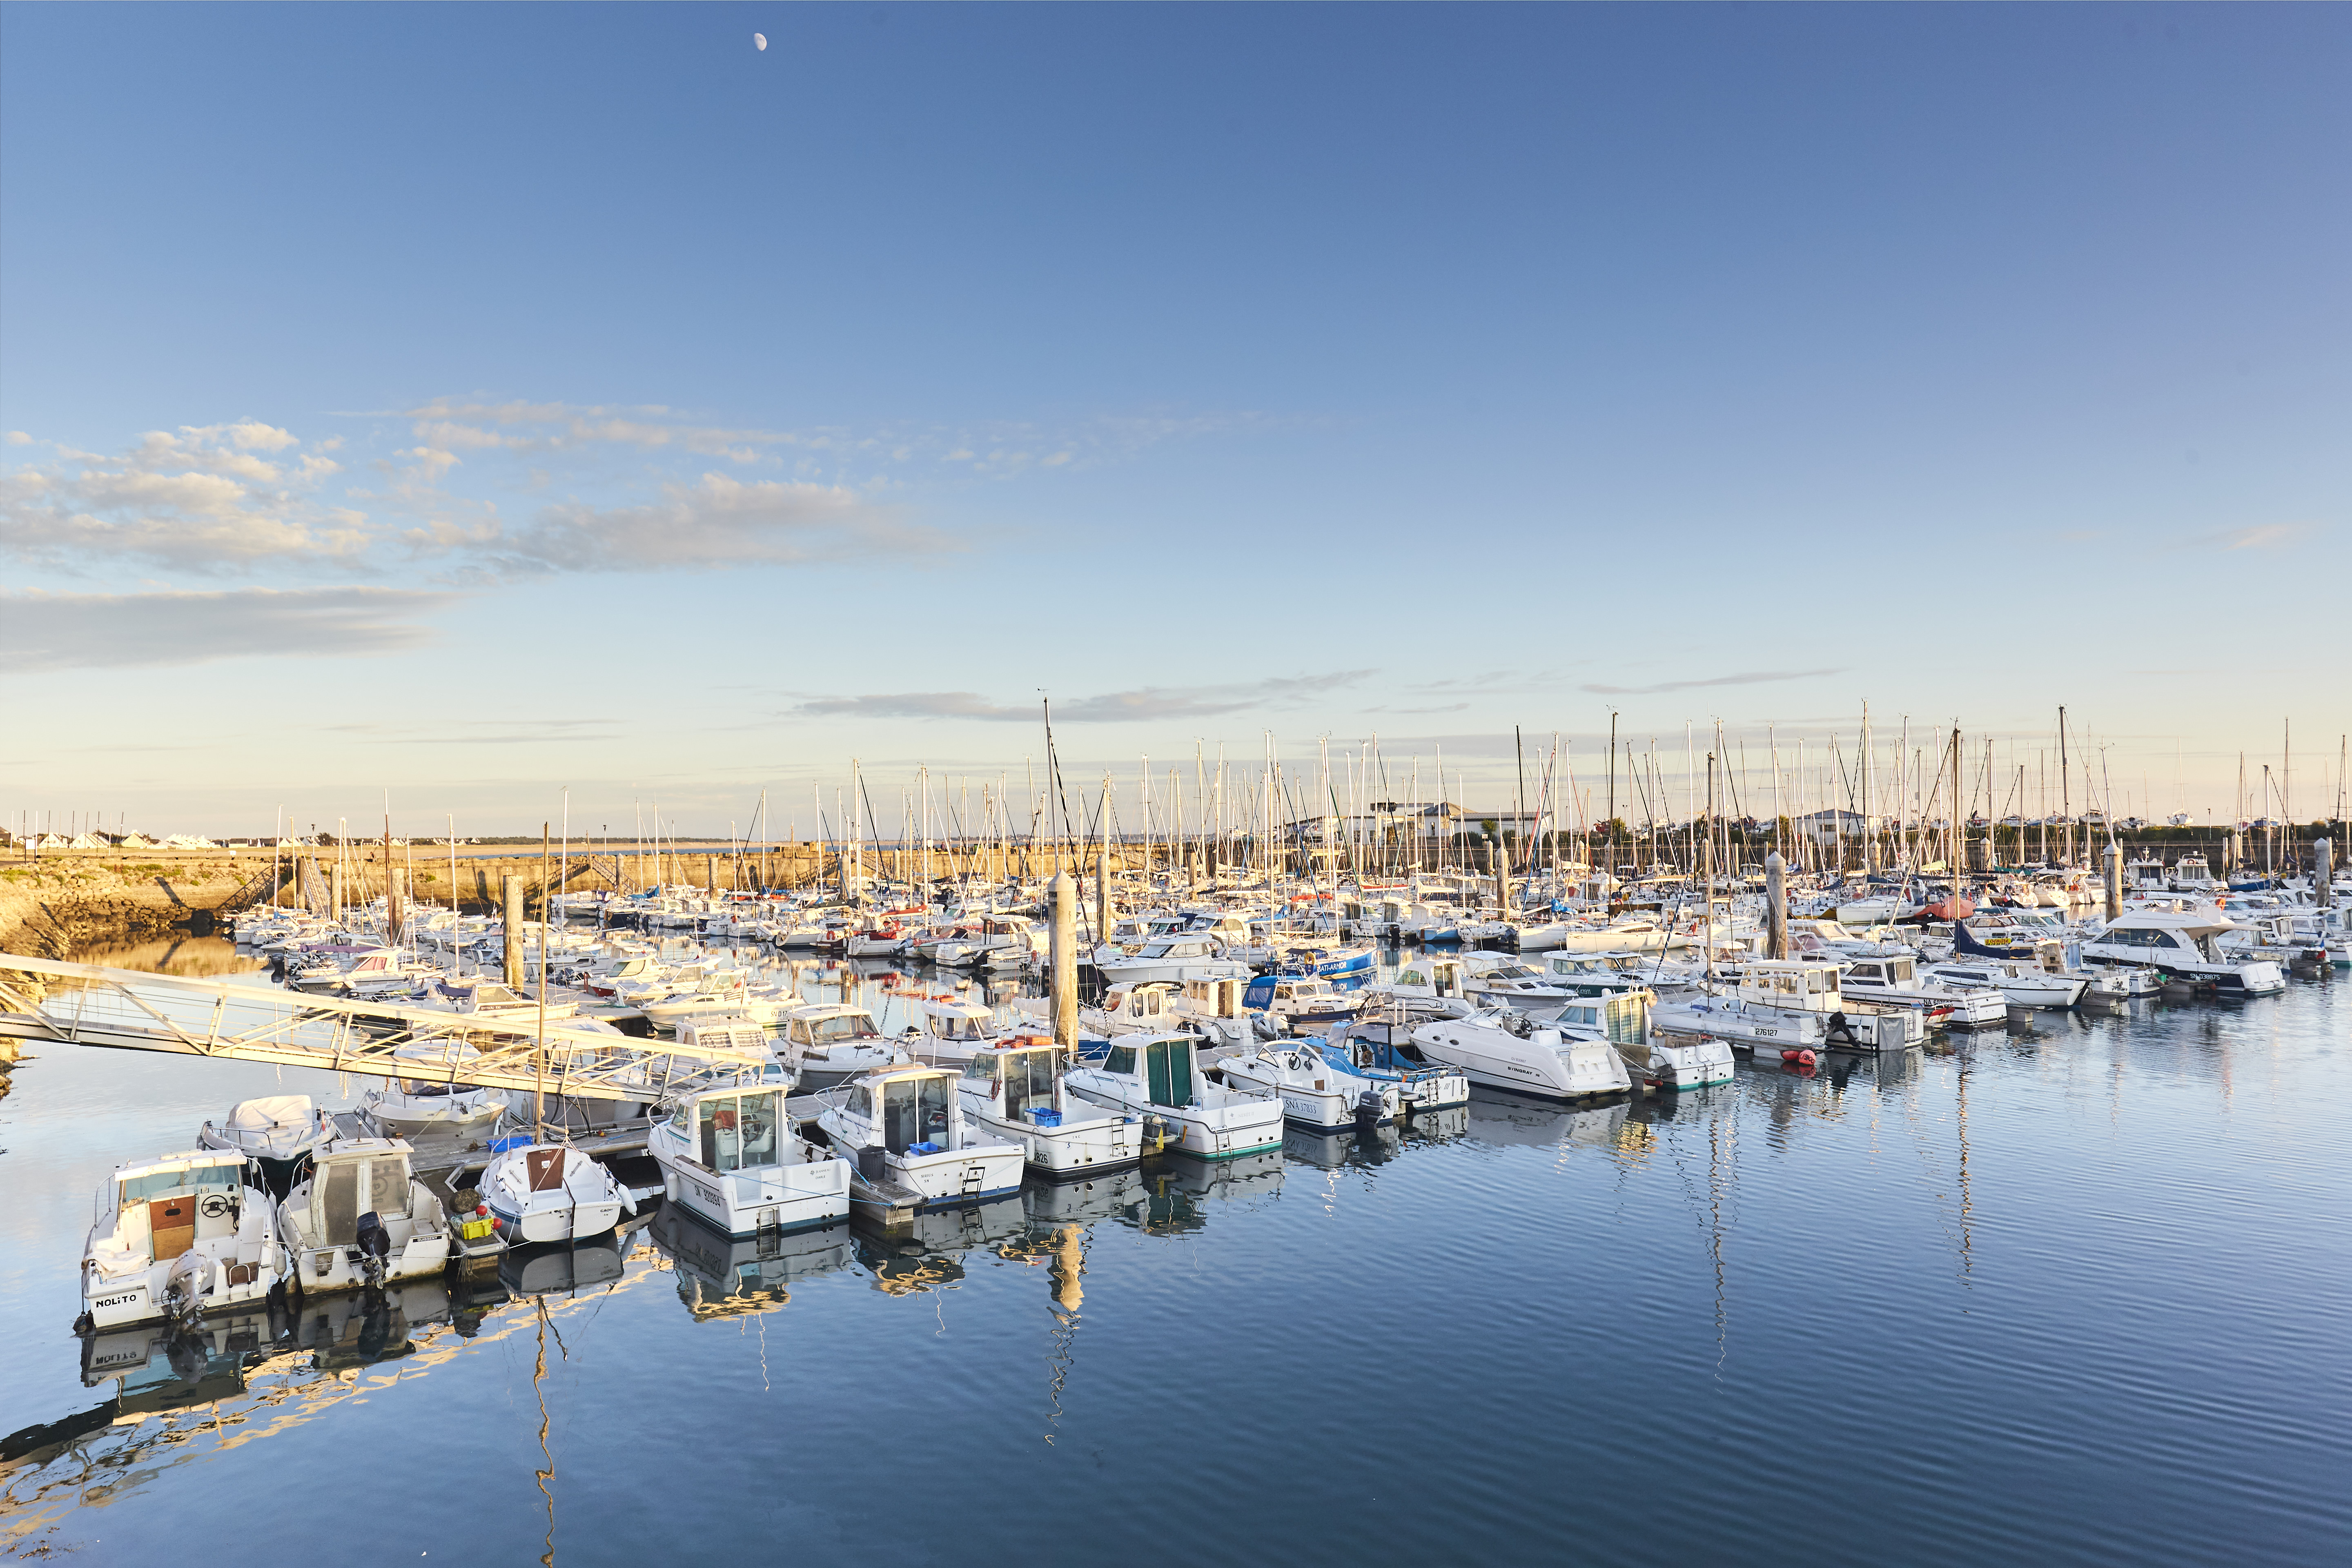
{"x":471,"y":402}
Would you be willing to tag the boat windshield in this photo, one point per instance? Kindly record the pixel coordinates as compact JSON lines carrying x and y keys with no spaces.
{"x":159,"y":1183}
{"x":846,"y":1027}
{"x":915,"y":1111}
{"x":952,"y":1027}
{"x":739,"y":1131}
{"x":1028,"y":1082}
{"x":1155,"y":949}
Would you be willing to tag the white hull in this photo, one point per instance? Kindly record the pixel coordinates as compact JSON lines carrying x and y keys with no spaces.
{"x":1077,"y":1147}
{"x":1494,"y":1057}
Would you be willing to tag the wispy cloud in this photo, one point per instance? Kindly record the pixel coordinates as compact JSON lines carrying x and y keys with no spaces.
{"x":1749,"y":678}
{"x":2265,"y":536}
{"x":44,"y":632}
{"x":719,"y":521}
{"x":1148,"y":702}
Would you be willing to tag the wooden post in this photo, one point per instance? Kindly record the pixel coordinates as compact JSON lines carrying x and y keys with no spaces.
{"x":1065,"y":961}
{"x":2115,"y":882}
{"x":2322,"y":873}
{"x":1776,"y":906}
{"x":1102,"y":888}
{"x":710,"y":873}
{"x":510,"y":888}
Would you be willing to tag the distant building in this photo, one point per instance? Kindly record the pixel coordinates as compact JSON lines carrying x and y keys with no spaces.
{"x":1827,"y":827}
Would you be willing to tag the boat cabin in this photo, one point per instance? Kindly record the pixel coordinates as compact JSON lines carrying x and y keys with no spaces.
{"x":1622,"y":1018}
{"x":1794,"y":985}
{"x":1142,"y":1005}
{"x":1219,"y":998}
{"x":734,"y":1129}
{"x":1163,"y":1064}
{"x":1437,"y":977}
{"x":1895,"y":972}
{"x":910,"y":1110}
{"x":1018,"y":1078}
{"x":829,"y":1024}
{"x":348,"y":1179}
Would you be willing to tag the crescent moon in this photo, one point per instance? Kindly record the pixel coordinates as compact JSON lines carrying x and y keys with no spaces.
{"x":761,"y":40}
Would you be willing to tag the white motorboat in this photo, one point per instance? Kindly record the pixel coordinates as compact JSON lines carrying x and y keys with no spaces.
{"x":1386,"y":1049}
{"x":830,"y":1043}
{"x":1158,"y":1076}
{"x":732,"y":1158}
{"x":2181,"y":945}
{"x":1175,"y":959}
{"x":1013,"y":1091}
{"x":176,"y":1236}
{"x":277,"y":1131}
{"x":1324,"y":1094}
{"x":949,"y":1031}
{"x":721,"y":992}
{"x":905,"y":1128}
{"x":1507,"y":1051}
{"x":362,"y":1218}
{"x":2021,"y":984}
{"x":549,"y":1191}
{"x":1890,"y":978}
{"x":1680,"y":1062}
{"x":1300,"y":1003}
{"x":723,"y":1031}
{"x":426,"y":1096}
{"x":1774,"y":1005}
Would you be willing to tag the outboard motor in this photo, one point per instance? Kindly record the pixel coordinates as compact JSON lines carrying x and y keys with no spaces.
{"x":1371,"y":1110}
{"x":372,"y":1245}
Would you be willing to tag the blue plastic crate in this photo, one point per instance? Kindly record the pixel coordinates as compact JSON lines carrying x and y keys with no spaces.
{"x":1045,"y":1117}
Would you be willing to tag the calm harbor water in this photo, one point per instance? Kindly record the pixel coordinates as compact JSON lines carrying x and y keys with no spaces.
{"x":2076,"y":1292}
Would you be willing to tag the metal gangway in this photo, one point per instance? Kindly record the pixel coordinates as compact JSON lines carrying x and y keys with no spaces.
{"x":130,"y":1010}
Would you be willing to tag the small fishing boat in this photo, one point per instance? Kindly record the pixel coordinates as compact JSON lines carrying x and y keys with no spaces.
{"x":732,"y":1157}
{"x":1302,"y":1003}
{"x":362,"y":1218}
{"x":426,"y":1096}
{"x":177,"y":1235}
{"x":1890,"y":978}
{"x":1013,"y":1089}
{"x":1175,"y":959}
{"x":549,"y":1191}
{"x":951,"y":1031}
{"x":277,"y":1133}
{"x":1683,"y":1061}
{"x":1158,"y":1077}
{"x":905,"y":1129}
{"x":1422,"y":1085}
{"x":830,"y":1043}
{"x":1510,"y":1051}
{"x":1322,"y":1094}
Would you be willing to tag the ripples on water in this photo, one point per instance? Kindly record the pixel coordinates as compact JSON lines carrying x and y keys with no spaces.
{"x":2073,"y":1293}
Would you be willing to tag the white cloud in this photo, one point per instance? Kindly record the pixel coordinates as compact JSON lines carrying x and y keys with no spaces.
{"x":196,"y":498}
{"x":43,"y":632}
{"x":253,"y":436}
{"x":19,"y":438}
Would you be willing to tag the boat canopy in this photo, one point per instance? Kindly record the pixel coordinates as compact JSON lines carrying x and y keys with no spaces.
{"x":271,"y":1112}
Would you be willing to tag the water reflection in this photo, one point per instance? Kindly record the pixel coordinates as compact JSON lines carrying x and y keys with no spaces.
{"x":1506,"y":1121}
{"x":722,"y":1276}
{"x":928,"y":1253}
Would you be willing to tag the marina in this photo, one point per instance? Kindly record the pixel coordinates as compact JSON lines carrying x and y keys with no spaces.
{"x":936,"y":1132}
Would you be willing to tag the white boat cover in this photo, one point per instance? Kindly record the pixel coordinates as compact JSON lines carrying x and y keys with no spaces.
{"x":271,"y":1110}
